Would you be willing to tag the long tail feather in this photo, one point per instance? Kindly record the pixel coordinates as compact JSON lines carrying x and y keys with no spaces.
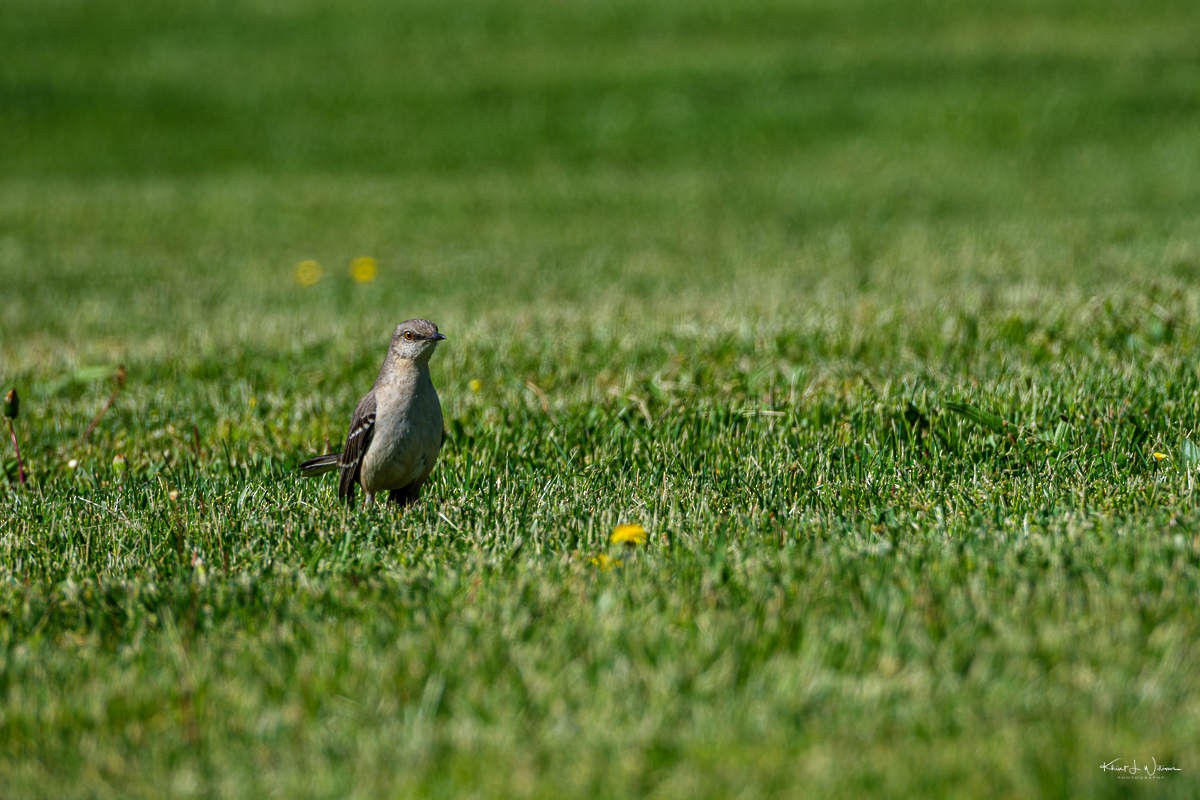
{"x":319,"y":465}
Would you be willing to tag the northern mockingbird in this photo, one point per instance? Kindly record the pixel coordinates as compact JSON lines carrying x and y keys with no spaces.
{"x":396,"y":430}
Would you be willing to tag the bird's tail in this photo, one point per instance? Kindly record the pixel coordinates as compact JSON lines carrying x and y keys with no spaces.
{"x":319,"y":465}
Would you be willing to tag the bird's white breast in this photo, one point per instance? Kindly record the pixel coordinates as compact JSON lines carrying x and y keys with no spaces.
{"x":408,"y":432}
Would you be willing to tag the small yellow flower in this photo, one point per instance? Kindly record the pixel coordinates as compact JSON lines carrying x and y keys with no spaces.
{"x":1159,"y":456}
{"x":308,"y":272}
{"x":630,"y":534}
{"x":604,"y":562}
{"x":475,"y":384}
{"x":363,"y":269}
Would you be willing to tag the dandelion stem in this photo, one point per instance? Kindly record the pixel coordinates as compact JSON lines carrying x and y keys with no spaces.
{"x":12,"y":407}
{"x":12,"y":432}
{"x":112,"y":398}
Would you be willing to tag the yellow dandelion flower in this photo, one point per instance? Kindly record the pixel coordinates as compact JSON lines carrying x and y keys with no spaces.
{"x":604,"y":562}
{"x":308,"y":272}
{"x":1159,"y":456}
{"x":363,"y":269}
{"x":475,"y":384}
{"x":631,"y":535}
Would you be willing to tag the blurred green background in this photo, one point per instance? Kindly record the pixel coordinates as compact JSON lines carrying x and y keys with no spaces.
{"x":173,"y":161}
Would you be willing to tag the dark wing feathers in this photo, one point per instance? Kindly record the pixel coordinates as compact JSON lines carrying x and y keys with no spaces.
{"x":362,"y":429}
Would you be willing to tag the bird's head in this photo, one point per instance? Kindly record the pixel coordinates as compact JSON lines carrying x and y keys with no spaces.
{"x":415,"y":339}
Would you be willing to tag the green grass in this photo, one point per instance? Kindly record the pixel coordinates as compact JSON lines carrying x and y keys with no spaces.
{"x":874,"y":315}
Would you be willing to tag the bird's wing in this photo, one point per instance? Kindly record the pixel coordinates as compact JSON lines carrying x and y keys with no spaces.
{"x":362,"y":429}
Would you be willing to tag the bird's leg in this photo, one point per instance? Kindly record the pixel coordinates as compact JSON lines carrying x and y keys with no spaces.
{"x":404,"y":497}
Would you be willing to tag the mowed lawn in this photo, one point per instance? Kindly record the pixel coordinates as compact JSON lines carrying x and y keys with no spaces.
{"x":880,"y":318}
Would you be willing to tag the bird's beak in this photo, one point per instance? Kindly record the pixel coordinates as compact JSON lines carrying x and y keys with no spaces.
{"x":437,"y":337}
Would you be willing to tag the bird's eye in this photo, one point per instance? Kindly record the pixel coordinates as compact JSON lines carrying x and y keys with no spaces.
{"x":408,"y":335}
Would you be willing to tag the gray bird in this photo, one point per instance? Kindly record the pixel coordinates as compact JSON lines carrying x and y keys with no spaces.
{"x":396,"y":430}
